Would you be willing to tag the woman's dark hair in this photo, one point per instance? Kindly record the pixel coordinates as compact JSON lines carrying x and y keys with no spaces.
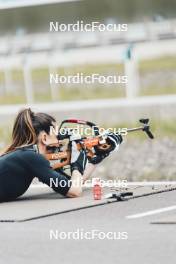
{"x":27,"y":127}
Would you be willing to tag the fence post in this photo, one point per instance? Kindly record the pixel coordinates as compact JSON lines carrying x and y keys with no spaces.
{"x":8,"y":80}
{"x":132,"y":73}
{"x":53,"y":86}
{"x":29,"y":93}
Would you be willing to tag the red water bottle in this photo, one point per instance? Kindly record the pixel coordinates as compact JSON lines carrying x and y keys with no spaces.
{"x":97,"y":190}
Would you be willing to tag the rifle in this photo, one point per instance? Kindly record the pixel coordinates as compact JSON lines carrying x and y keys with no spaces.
{"x":60,"y":157}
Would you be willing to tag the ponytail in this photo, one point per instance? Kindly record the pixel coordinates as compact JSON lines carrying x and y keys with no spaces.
{"x":27,"y":127}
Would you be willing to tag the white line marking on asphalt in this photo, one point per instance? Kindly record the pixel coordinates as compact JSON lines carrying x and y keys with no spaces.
{"x":157,"y":211}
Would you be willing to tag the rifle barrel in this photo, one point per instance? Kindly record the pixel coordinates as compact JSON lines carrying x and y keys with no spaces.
{"x":135,"y":129}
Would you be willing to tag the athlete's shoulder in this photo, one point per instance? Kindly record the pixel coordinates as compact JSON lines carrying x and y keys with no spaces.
{"x":32,"y":154}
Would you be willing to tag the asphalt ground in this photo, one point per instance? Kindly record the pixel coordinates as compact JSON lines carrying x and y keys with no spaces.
{"x":143,"y":241}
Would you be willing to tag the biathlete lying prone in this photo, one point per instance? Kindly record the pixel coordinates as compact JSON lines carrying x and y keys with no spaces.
{"x":24,"y":159}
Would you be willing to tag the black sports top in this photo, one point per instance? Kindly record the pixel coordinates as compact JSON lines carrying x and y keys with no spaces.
{"x":18,"y":169}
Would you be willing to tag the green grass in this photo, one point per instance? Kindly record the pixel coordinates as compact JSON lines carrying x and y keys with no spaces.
{"x":160,"y":129}
{"x":98,"y":92}
{"x":40,"y":79}
{"x":40,"y":74}
{"x":164,"y":128}
{"x":12,"y":99}
{"x":1,"y":77}
{"x":162,"y":63}
{"x":155,"y":89}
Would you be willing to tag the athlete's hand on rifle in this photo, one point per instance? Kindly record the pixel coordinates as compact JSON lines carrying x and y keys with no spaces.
{"x":114,"y":140}
{"x":78,"y":158}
